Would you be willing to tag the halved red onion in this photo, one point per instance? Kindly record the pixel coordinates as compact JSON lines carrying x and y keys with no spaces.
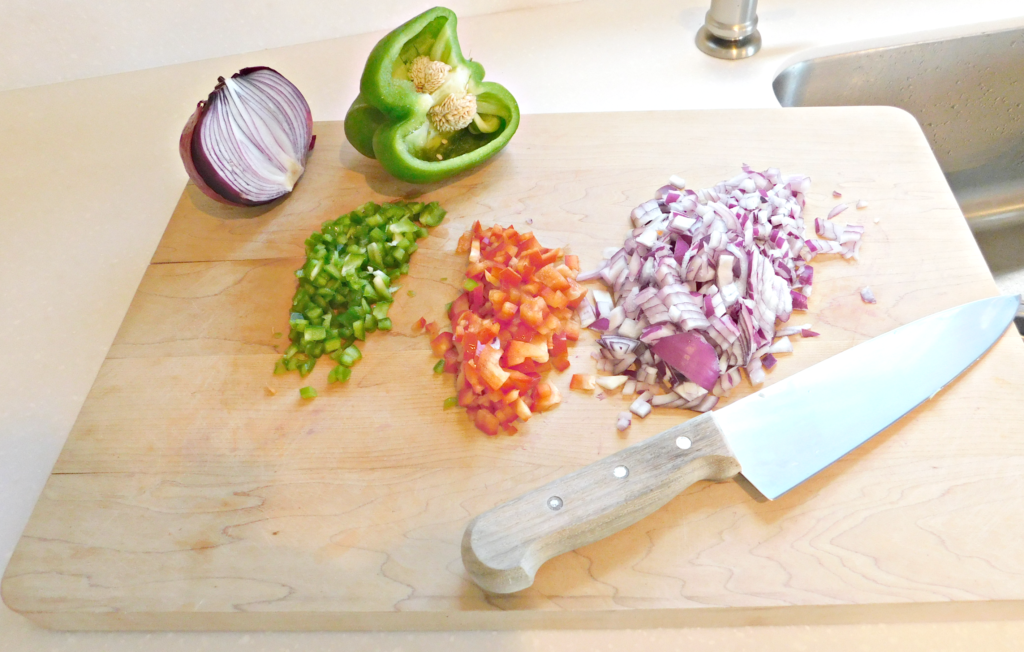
{"x":248,"y":143}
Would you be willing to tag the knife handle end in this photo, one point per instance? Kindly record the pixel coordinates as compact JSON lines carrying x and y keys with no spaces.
{"x":503,"y":547}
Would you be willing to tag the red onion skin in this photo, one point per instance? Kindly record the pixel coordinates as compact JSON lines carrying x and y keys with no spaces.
{"x":198,"y":166}
{"x":185,"y":148}
{"x":691,"y":355}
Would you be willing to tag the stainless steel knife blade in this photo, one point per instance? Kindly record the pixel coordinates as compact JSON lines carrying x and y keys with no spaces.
{"x":777,"y":437}
{"x":788,"y":431}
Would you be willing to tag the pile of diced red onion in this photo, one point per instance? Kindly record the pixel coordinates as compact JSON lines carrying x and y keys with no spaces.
{"x":698,"y":287}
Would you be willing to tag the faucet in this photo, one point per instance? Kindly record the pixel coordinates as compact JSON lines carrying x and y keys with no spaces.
{"x":730,"y":30}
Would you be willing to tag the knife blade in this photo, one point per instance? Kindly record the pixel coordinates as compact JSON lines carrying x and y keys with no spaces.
{"x":776,"y":437}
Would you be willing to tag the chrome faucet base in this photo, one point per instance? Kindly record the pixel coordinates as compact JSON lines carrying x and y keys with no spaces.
{"x":721,"y":48}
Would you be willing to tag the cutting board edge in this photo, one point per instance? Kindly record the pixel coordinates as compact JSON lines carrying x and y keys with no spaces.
{"x":397,"y":621}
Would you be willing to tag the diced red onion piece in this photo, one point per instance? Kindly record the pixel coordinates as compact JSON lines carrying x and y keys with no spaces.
{"x":867,"y":295}
{"x":603,"y":301}
{"x":706,"y":403}
{"x":782,"y":345}
{"x":586,"y":313}
{"x":808,"y":333}
{"x":611,"y":382}
{"x":799,"y":300}
{"x":640,"y":407}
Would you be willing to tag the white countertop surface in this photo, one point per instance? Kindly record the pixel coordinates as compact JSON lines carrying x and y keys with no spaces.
{"x":90,"y":176}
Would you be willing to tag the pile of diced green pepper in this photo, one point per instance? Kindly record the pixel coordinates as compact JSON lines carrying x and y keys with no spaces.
{"x":346,"y":286}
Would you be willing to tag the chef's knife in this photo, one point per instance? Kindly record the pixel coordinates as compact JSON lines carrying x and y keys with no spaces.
{"x":776,"y":437}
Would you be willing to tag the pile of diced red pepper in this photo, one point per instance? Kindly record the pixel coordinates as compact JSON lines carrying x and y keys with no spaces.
{"x":511,"y":325}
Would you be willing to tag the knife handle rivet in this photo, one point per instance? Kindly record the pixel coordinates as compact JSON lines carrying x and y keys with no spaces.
{"x":554,"y":503}
{"x":683,"y":442}
{"x":620,"y":471}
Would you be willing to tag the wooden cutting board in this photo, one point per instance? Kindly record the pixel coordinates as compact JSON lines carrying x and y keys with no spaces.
{"x":198,"y":491}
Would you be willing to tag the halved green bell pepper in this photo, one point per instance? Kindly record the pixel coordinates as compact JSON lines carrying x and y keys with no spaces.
{"x":423,"y":110}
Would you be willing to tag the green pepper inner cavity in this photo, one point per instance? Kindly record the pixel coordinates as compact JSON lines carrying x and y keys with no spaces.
{"x":458,"y":120}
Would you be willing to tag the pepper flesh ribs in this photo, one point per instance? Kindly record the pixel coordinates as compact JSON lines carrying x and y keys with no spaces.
{"x":511,"y":328}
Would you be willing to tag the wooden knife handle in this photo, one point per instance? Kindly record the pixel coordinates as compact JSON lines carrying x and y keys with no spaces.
{"x":503,"y":547}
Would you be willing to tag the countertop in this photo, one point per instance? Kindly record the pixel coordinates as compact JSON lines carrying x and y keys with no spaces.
{"x":91,"y":174}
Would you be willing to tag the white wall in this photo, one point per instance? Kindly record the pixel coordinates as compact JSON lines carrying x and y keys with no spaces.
{"x":48,"y":41}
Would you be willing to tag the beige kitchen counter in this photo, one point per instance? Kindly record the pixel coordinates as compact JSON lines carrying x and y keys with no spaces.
{"x":90,"y":175}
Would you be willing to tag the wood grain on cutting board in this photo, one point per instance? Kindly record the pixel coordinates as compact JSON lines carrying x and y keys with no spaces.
{"x":198,"y":491}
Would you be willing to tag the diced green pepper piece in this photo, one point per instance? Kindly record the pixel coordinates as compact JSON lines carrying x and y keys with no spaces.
{"x":380,"y":310}
{"x":350,"y":356}
{"x":439,"y":367}
{"x":432,"y":214}
{"x":314,"y":312}
{"x":469,"y":285}
{"x":359,"y":330}
{"x":332,"y":344}
{"x":307,"y":392}
{"x":380,"y":285}
{"x":451,"y":401}
{"x":384,"y":324}
{"x":374,"y":253}
{"x":315,"y":333}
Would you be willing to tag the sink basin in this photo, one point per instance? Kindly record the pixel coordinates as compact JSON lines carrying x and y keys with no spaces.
{"x":968,"y":95}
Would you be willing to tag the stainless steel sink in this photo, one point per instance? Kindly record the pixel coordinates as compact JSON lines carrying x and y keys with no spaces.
{"x":967,"y":93}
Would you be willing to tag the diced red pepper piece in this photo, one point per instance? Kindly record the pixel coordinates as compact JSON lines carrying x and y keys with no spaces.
{"x":560,"y":363}
{"x":558,"y":345}
{"x":490,"y":367}
{"x":486,"y":422}
{"x":532,"y":289}
{"x":509,"y":278}
{"x":572,"y":329}
{"x":451,"y":361}
{"x":583,"y":382}
{"x":518,"y":352}
{"x":532,"y":311}
{"x":473,"y":376}
{"x":466,"y":396}
{"x":441,"y":344}
{"x":522,"y":410}
{"x":508,"y":311}
{"x":548,"y":396}
{"x":550,"y":277}
{"x":554,"y":298}
{"x":521,"y":381}
{"x":459,"y":306}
